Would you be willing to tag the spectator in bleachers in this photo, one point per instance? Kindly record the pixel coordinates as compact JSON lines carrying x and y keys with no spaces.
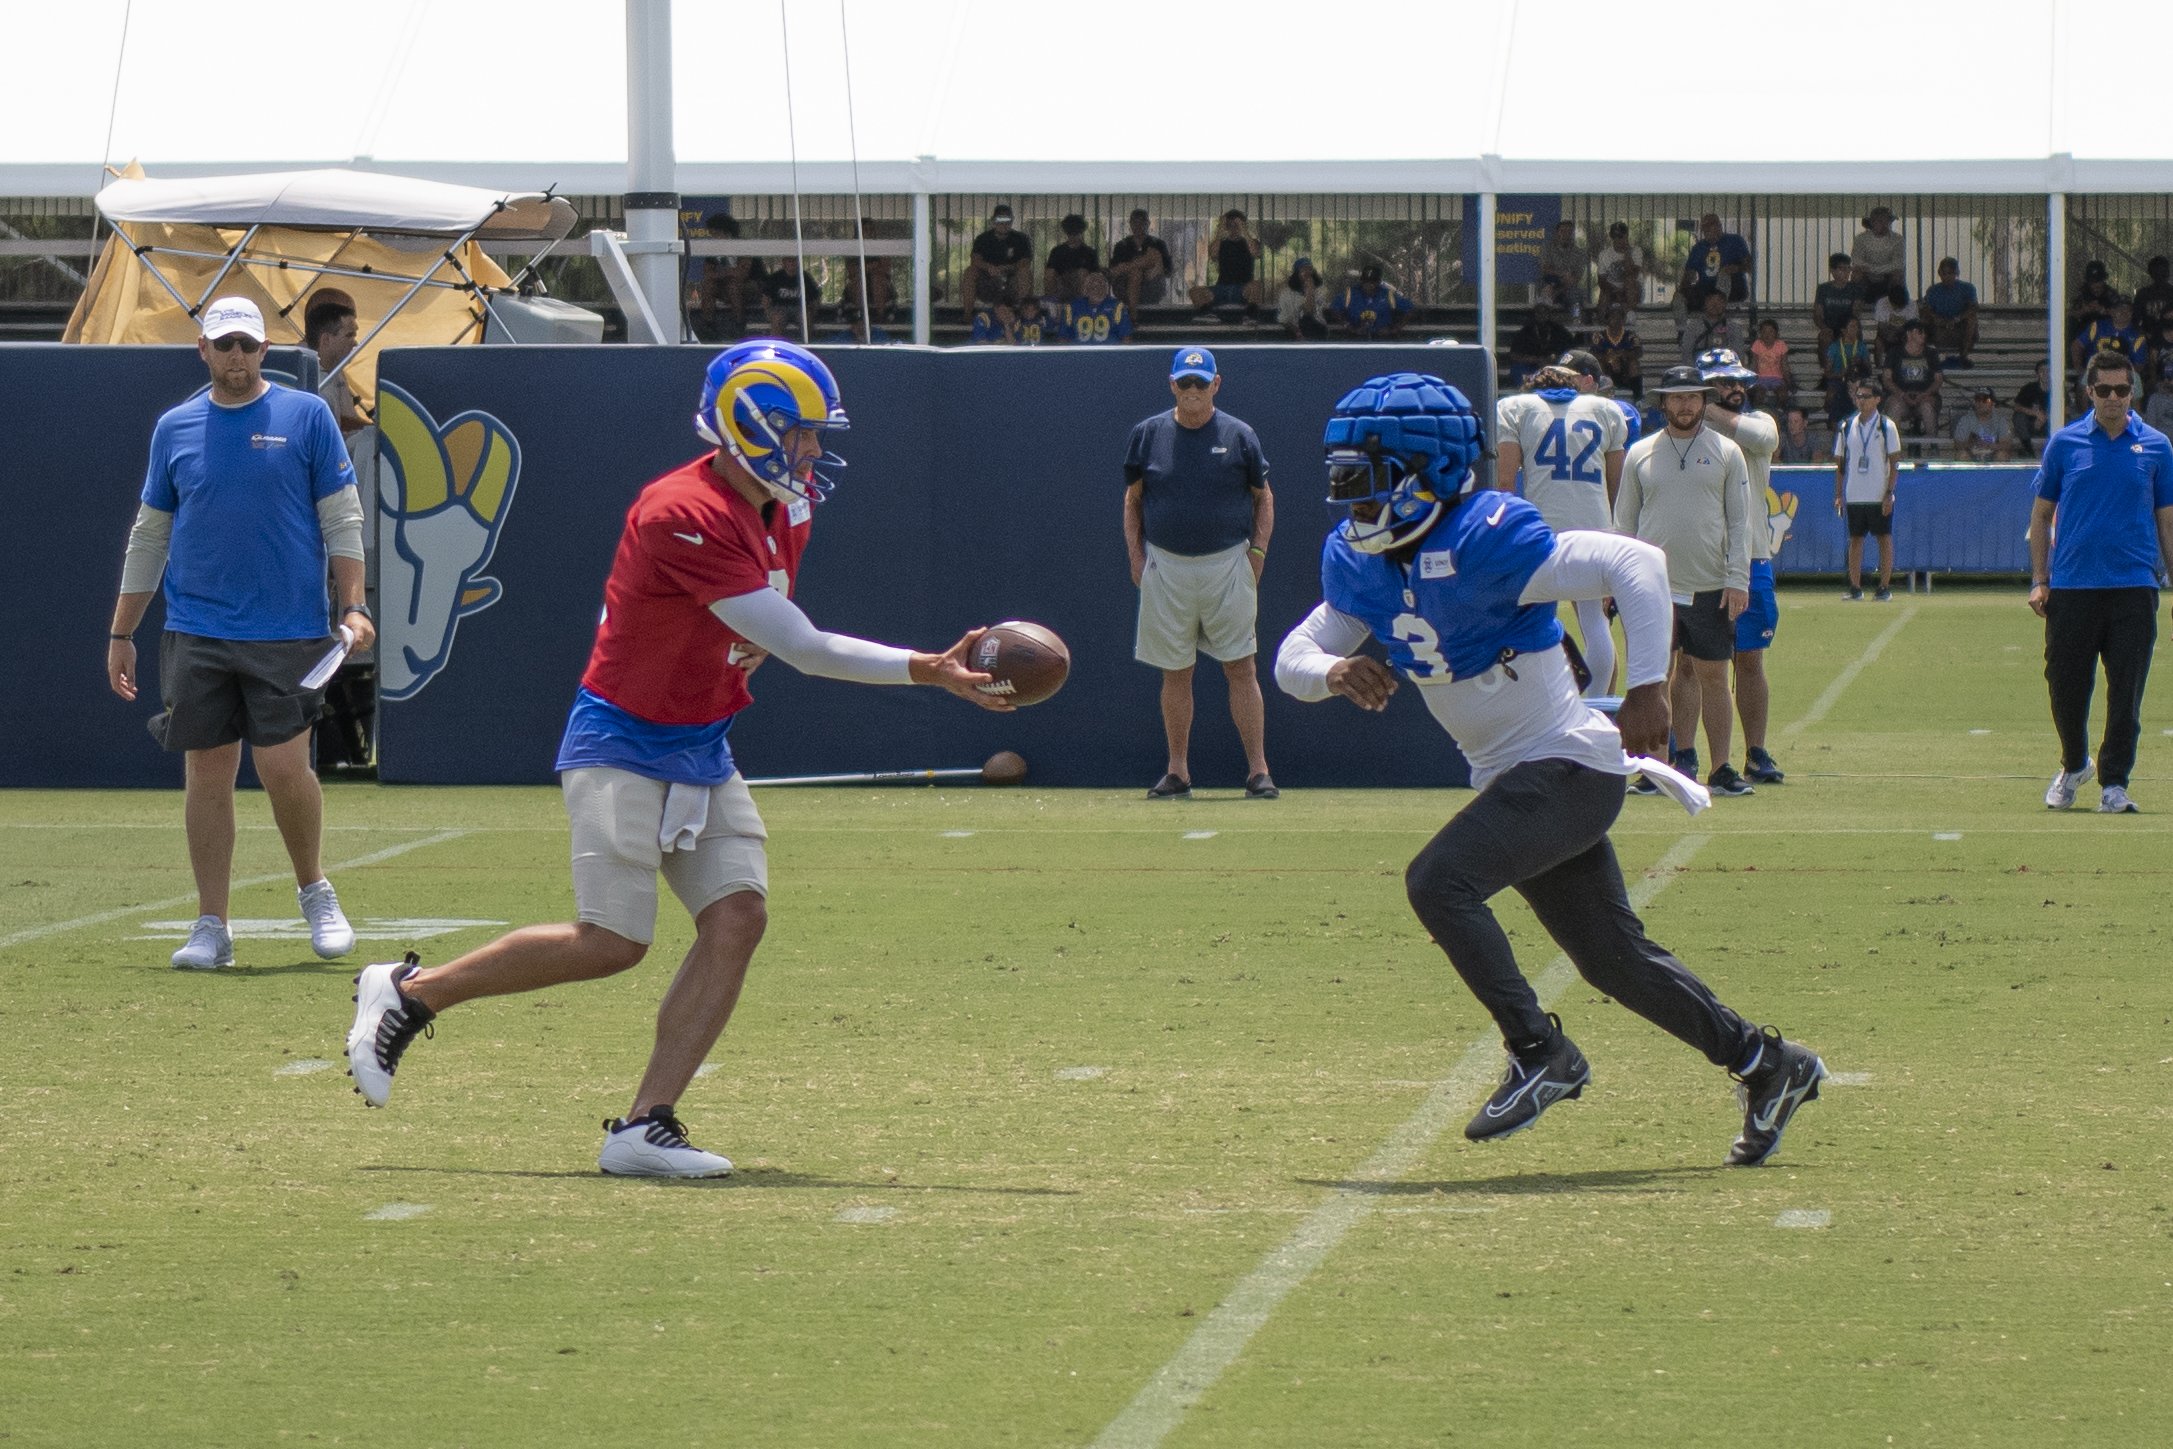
{"x":1139,"y":264}
{"x":726,"y":284}
{"x":1982,"y":435}
{"x":2094,"y":303}
{"x":1620,"y":351}
{"x":995,"y":326}
{"x":2117,"y":333}
{"x":1371,"y":307}
{"x":1237,"y":260}
{"x":1875,"y":261}
{"x":1002,"y":265}
{"x":882,"y":289}
{"x":853,"y":328}
{"x":1890,"y":315}
{"x":2158,"y":410}
{"x":1302,"y":308}
{"x":1719,"y":264}
{"x":1950,"y":312}
{"x":1847,"y":361}
{"x":1838,"y":299}
{"x":1038,"y":324}
{"x":783,"y":287}
{"x":1775,"y":385}
{"x":2032,"y":412}
{"x":1800,"y":442}
{"x":1540,"y":340}
{"x":1564,"y":262}
{"x":1621,"y":269}
{"x":2154,"y":304}
{"x":1069,"y":262}
{"x":1098,"y":317}
{"x":1913,"y":380}
{"x":1712,"y":327}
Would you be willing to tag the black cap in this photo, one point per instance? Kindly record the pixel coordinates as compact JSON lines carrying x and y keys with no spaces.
{"x":1681,"y":379}
{"x":1001,"y":213}
{"x":1581,"y":362}
{"x":1985,"y":392}
{"x":2095,"y":272}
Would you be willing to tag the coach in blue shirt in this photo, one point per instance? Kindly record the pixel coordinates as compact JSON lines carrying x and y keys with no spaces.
{"x":2108,"y":480}
{"x":248,"y":497}
{"x":1197,"y":518}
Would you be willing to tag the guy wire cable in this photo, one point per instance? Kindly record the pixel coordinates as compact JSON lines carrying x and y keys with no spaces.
{"x":852,"y":141}
{"x":792,"y":141}
{"x":113,"y":109}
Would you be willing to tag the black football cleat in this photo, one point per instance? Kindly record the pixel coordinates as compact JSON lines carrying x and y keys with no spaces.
{"x":1534,"y":1081}
{"x":1783,"y":1078}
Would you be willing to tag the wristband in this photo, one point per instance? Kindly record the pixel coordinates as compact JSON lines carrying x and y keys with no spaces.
{"x":1256,"y":549}
{"x":362,"y":609}
{"x":2045,"y":583}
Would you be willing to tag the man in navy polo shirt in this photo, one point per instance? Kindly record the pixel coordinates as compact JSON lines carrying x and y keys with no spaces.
{"x":1197,"y":519}
{"x":2109,"y":481}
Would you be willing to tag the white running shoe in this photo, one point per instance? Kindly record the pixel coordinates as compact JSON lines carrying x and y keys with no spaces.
{"x":656,"y":1146}
{"x":2061,"y":794}
{"x":329,"y":934}
{"x":210,"y":946}
{"x":385,"y":1022}
{"x":2114,"y":801}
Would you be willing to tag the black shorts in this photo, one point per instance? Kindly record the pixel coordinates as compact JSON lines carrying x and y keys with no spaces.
{"x":217,"y":691}
{"x":1702,"y":627}
{"x":1871,"y":518}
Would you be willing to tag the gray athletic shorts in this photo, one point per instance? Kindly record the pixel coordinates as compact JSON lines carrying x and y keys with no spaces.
{"x":217,"y":691}
{"x":617,"y":817}
{"x":1195,"y":603}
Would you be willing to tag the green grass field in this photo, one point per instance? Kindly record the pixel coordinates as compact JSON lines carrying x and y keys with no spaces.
{"x":1076,"y":1129}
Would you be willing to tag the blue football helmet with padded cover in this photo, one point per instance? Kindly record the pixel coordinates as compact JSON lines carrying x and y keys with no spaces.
{"x":753,"y":395}
{"x":1407,"y":441}
{"x":1719,"y":362}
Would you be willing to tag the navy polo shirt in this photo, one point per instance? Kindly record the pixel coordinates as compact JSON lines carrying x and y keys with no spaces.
{"x":2109,"y":491}
{"x":1197,"y":483}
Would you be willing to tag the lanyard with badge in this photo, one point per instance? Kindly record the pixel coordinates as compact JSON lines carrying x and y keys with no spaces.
{"x":1859,"y":445}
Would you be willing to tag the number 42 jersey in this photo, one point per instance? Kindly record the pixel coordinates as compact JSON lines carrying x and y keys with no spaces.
{"x":1565,"y":436}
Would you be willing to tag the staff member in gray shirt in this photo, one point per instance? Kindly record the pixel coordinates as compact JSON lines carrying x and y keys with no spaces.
{"x":1197,"y":518}
{"x":1687,"y":489}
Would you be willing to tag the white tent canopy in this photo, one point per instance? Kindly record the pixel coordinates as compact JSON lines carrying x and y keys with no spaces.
{"x":1405,"y":96}
{"x":336,"y":200}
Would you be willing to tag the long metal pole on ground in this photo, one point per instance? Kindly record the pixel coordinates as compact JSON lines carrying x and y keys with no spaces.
{"x":652,"y":170}
{"x":2056,"y":309}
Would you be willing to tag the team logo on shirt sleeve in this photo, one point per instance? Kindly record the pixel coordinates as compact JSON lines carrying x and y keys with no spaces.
{"x":444,"y":490}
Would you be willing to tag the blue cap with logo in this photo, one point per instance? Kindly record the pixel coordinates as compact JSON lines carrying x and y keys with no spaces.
{"x":1193,"y":362}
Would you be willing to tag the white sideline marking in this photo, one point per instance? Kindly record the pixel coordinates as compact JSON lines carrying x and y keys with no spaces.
{"x":866,"y":1214}
{"x":704,"y":1070}
{"x":1946,"y":835}
{"x":1080,"y":1074}
{"x":303,"y":1068}
{"x":1803,"y":1218}
{"x":396,"y":1212}
{"x":1980,"y":732}
{"x":1199,"y":835}
{"x":1847,"y":676}
{"x":954,"y":834}
{"x":1453,"y":1211}
{"x":1223,"y":1334}
{"x":16,"y":938}
{"x":1849,"y":1079}
{"x":294,"y":928}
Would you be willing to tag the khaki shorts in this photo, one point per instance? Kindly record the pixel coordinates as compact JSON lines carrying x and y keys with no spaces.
{"x":617,"y":816}
{"x":1191,"y":604}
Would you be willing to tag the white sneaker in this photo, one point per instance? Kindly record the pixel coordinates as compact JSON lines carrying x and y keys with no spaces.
{"x":2061,"y":794}
{"x":385,"y":1022}
{"x":210,"y":946}
{"x":2114,"y":801}
{"x":329,"y":934}
{"x":656,"y":1146}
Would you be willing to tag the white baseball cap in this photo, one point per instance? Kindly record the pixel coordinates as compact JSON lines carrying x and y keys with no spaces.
{"x":233,"y":314}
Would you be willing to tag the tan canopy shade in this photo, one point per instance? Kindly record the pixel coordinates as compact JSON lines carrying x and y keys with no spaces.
{"x":406,"y":253}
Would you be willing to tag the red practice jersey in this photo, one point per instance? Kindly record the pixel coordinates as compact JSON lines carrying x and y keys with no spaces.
{"x":689,"y":541}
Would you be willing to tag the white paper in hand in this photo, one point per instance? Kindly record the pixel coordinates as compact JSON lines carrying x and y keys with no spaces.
{"x":1678,"y":786}
{"x":321,"y":672}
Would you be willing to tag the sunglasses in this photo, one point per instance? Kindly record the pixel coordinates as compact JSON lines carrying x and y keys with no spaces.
{"x":1192,"y":384}
{"x":232,"y":340}
{"x":2111,"y":389}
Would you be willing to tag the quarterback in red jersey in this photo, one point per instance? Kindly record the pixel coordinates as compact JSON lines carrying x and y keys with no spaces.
{"x":700,"y":593}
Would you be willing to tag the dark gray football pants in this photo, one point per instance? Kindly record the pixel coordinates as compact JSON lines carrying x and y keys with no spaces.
{"x":1541,"y":828}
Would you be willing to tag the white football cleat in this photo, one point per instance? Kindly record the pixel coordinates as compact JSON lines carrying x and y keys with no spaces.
{"x":385,"y":1022}
{"x":656,"y":1146}
{"x":2060,"y":795}
{"x":329,"y":934}
{"x":210,"y":946}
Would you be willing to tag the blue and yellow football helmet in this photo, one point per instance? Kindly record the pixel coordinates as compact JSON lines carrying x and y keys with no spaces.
{"x":1407,"y":441}
{"x":758,"y":392}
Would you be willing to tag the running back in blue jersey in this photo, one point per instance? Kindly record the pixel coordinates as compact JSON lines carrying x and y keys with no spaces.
{"x":1454,"y":613}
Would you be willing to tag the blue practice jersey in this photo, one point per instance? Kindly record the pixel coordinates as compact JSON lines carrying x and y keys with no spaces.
{"x":1454,"y":612}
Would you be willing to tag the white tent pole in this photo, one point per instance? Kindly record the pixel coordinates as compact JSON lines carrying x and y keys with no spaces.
{"x":1487,"y":318}
{"x":921,"y":253}
{"x":652,"y":182}
{"x":2056,"y":309}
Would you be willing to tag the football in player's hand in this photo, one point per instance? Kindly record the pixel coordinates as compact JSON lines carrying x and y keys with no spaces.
{"x":1026,"y":662}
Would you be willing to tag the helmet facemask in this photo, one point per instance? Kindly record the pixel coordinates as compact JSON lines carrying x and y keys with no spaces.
{"x":1403,"y":506}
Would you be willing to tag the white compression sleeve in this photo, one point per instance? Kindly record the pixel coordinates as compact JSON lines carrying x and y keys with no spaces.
{"x":148,"y":539}
{"x":1309,"y":651}
{"x":774,"y":624}
{"x":1591,"y":565}
{"x":339,"y":519}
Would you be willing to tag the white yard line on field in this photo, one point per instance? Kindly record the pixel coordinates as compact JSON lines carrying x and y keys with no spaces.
{"x":1847,"y":676}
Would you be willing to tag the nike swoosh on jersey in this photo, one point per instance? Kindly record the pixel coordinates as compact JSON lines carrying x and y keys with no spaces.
{"x":693,"y":538}
{"x":1499,"y":510}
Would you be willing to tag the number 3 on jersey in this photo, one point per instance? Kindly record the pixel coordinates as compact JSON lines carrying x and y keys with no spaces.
{"x":1553,"y":452}
{"x":1418,"y":636}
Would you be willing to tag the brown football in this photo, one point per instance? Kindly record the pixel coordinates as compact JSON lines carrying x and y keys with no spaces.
{"x":1027,"y":663}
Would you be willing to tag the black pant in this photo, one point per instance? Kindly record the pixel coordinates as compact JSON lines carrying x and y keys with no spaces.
{"x":2082,"y":626}
{"x":1542,"y":828}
